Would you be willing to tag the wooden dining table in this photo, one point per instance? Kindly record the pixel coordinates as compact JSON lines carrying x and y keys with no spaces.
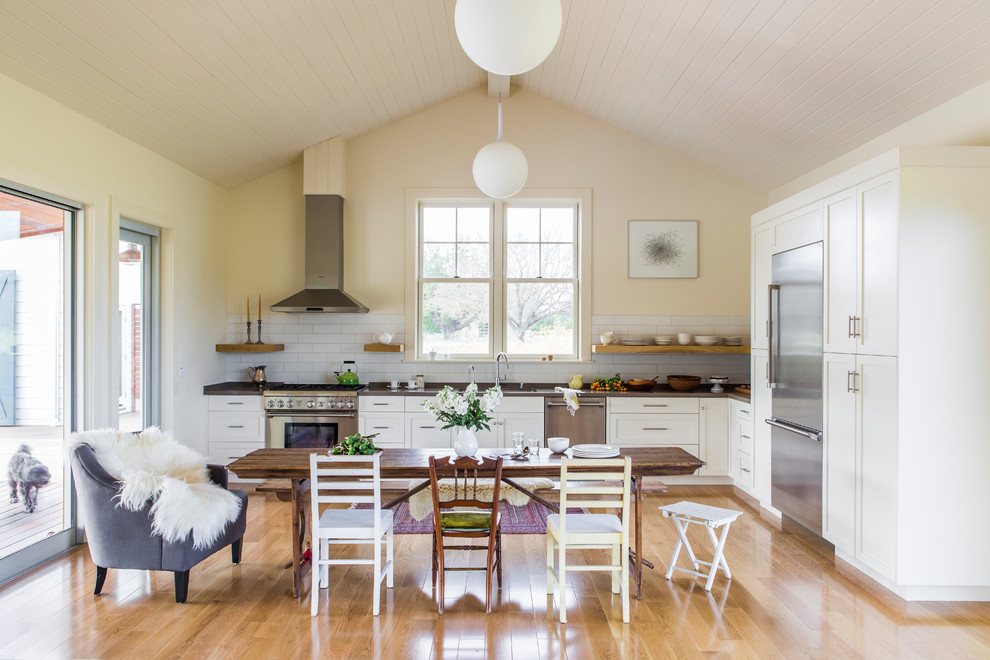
{"x":293,"y":465}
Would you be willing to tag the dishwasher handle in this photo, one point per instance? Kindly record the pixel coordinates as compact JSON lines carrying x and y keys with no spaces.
{"x":583,"y":405}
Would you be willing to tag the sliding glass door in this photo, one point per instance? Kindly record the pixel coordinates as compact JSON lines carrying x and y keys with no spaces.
{"x":37,"y":288}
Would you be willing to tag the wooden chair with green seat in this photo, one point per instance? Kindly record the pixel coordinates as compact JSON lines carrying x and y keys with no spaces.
{"x":466,"y":516}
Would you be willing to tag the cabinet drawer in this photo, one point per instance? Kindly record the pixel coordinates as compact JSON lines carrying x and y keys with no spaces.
{"x":653,"y":405}
{"x":380,"y":403}
{"x":248,"y":403}
{"x":746,"y":469}
{"x":422,"y":431}
{"x":653,"y":431}
{"x":414,"y":404}
{"x":236,"y":427}
{"x":745,"y":431}
{"x":388,"y":426}
{"x":223,"y":453}
{"x":744,"y":411}
{"x":521,"y":404}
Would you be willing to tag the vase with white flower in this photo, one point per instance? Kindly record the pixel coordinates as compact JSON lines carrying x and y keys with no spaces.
{"x":468,"y":412}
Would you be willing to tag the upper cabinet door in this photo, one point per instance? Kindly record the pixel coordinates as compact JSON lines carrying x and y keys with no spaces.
{"x":878,"y":202}
{"x":762,"y":271}
{"x":841,"y":272}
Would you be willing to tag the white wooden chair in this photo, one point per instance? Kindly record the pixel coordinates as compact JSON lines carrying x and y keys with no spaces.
{"x":712,"y":517}
{"x":348,"y":480}
{"x":578,"y":531}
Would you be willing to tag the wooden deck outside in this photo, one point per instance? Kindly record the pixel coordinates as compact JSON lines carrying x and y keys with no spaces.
{"x":18,"y":528}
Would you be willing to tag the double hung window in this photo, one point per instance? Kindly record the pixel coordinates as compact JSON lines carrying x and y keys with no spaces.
{"x":498,"y":276}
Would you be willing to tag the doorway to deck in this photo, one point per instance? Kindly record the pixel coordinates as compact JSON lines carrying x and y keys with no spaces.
{"x":138,"y":313}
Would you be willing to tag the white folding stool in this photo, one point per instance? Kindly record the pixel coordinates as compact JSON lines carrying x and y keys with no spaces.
{"x":685,"y":513}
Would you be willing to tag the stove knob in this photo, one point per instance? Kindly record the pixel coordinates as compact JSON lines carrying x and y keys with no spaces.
{"x":331,"y":404}
{"x":311,"y":404}
{"x":290,"y":403}
{"x":271,"y":404}
{"x":350,"y":404}
{"x":281,"y":404}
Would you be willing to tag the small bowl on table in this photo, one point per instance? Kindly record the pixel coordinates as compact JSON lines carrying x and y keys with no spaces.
{"x":558,"y":445}
{"x":683,"y":383}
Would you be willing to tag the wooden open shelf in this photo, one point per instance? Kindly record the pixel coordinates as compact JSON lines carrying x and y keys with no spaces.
{"x":250,"y":348}
{"x":384,"y":348}
{"x":598,"y":348}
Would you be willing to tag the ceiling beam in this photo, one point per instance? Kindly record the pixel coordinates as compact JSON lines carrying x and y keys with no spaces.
{"x":498,"y":86}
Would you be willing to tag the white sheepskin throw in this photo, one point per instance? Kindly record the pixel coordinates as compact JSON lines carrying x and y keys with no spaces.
{"x":421,"y":503}
{"x":153,"y":466}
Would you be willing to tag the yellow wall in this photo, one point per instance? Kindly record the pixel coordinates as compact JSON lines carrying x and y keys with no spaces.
{"x":630,"y":179}
{"x":49,"y":147}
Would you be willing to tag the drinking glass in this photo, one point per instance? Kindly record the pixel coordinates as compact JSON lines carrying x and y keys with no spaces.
{"x":534,"y":446}
{"x":517,"y":442}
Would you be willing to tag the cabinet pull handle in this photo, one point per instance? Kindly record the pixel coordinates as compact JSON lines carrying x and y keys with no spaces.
{"x":380,"y":404}
{"x":235,"y":426}
{"x":656,"y":405}
{"x":553,"y":404}
{"x":427,"y":427}
{"x":744,"y":411}
{"x":743,"y":435}
{"x":851,"y":381}
{"x":744,"y":469}
{"x":379,"y":427}
{"x":235,"y":403}
{"x":854,"y":329}
{"x":655,"y":428}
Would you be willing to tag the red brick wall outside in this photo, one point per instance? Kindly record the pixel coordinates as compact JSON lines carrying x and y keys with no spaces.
{"x":135,"y":338}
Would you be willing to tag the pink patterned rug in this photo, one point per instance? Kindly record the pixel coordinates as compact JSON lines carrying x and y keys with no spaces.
{"x":529,"y":519}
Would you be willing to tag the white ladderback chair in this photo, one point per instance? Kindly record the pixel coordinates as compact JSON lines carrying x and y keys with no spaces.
{"x":348,"y":480}
{"x":606,"y":487}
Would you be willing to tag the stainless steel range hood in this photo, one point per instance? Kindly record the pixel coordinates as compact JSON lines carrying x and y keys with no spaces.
{"x":324,"y":261}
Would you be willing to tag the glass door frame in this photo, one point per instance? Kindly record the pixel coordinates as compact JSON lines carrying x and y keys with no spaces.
{"x":25,"y":559}
{"x":149,"y":238}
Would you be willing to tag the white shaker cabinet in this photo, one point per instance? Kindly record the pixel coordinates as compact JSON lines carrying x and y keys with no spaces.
{"x":382,"y":415}
{"x":515,"y":414}
{"x":762,"y":273}
{"x":861,"y":449}
{"x":741,"y":443}
{"x":713,"y":440}
{"x":861,"y":268}
{"x":236,"y":426}
{"x":760,"y":400}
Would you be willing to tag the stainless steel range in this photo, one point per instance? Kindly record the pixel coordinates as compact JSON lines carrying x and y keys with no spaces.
{"x":309,"y":416}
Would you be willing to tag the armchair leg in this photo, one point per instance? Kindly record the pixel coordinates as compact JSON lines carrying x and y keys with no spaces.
{"x":101,"y":577}
{"x":181,"y":586}
{"x":235,"y":550}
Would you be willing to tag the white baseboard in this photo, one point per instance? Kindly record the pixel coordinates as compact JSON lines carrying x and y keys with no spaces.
{"x":914,"y":592}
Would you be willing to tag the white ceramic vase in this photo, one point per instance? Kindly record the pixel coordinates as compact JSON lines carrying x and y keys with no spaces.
{"x":466,"y":443}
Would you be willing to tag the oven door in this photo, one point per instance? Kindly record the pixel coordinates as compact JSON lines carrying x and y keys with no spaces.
{"x":299,"y":430}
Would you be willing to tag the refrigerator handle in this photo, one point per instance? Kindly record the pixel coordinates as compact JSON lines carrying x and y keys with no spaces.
{"x":811,"y":434}
{"x":772,"y":329}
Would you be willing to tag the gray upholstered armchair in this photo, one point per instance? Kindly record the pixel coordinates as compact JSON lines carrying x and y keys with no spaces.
{"x":119,"y":538}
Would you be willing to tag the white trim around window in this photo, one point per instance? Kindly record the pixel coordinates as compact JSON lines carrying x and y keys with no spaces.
{"x":497,"y":280}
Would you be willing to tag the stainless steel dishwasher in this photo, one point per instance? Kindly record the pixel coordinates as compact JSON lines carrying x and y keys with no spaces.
{"x":587,"y":426}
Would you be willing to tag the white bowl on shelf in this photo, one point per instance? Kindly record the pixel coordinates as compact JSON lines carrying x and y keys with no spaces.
{"x":707,"y":340}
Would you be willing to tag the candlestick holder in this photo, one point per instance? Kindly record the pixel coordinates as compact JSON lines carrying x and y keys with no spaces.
{"x":249,"y":333}
{"x":259,"y":333}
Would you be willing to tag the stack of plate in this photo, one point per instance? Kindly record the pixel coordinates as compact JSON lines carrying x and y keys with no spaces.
{"x":594,"y":451}
{"x":707,"y":340}
{"x":732,"y":341}
{"x":664,"y":340}
{"x":634,"y":341}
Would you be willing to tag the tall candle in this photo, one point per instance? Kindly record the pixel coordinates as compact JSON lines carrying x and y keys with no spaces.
{"x":259,"y":308}
{"x":247,"y":299}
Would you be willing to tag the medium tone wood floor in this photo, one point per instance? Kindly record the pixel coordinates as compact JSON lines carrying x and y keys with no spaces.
{"x":789,"y":598}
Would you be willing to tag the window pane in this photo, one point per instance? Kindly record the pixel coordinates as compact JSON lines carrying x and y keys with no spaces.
{"x":540,"y":319}
{"x":438,"y":260}
{"x":558,"y":260}
{"x":472,"y":260}
{"x":472,"y":224}
{"x":439,"y":223}
{"x":455,"y":318}
{"x":557,"y":225}
{"x":522,"y":260}
{"x":522,"y":224}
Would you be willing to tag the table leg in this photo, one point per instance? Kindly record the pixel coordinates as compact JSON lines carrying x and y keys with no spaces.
{"x":638,"y":514}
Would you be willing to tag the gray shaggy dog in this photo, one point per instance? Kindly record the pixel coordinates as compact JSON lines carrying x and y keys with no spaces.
{"x":30,"y":474}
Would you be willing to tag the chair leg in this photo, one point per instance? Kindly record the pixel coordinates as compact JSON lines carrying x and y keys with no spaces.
{"x":562,"y":582}
{"x":181,"y":586}
{"x":235,"y":550}
{"x":549,"y":563}
{"x":439,"y":552}
{"x":498,"y":556}
{"x":389,"y":552}
{"x":677,"y":550}
{"x":718,"y":558}
{"x":624,"y":586}
{"x":617,"y":571}
{"x":315,"y":569}
{"x":324,"y":571}
{"x":435,"y":560}
{"x":489,"y":569}
{"x":715,"y":544}
{"x":101,"y":577}
{"x":376,"y":599}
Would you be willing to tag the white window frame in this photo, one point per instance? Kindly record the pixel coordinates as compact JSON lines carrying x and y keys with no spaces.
{"x":580,"y":197}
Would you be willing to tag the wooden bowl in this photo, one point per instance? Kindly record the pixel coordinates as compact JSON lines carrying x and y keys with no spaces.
{"x":683,"y":383}
{"x":640,"y":384}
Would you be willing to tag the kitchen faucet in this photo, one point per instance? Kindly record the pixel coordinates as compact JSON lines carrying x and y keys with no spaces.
{"x":498,"y":379}
{"x":471,"y":373}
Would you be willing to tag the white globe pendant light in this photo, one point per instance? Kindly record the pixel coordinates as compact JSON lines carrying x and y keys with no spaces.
{"x":500,"y":168}
{"x":507,"y":37}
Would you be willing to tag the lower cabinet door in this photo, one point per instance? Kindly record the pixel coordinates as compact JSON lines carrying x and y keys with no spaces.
{"x":530,"y":424}
{"x":388,"y":426}
{"x":839,"y":479}
{"x":425,"y":432}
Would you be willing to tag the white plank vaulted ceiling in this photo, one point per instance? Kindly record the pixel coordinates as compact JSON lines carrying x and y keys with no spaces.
{"x":763,"y":90}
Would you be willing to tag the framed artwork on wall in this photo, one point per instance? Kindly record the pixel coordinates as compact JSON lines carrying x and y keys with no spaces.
{"x":663,"y":248}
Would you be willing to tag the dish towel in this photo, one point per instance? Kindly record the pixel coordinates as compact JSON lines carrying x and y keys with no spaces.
{"x":570,"y":398}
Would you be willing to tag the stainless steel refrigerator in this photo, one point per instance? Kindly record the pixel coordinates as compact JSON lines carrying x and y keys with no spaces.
{"x":795,"y":376}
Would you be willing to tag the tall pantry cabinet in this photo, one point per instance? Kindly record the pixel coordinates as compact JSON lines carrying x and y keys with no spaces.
{"x":906,"y":277}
